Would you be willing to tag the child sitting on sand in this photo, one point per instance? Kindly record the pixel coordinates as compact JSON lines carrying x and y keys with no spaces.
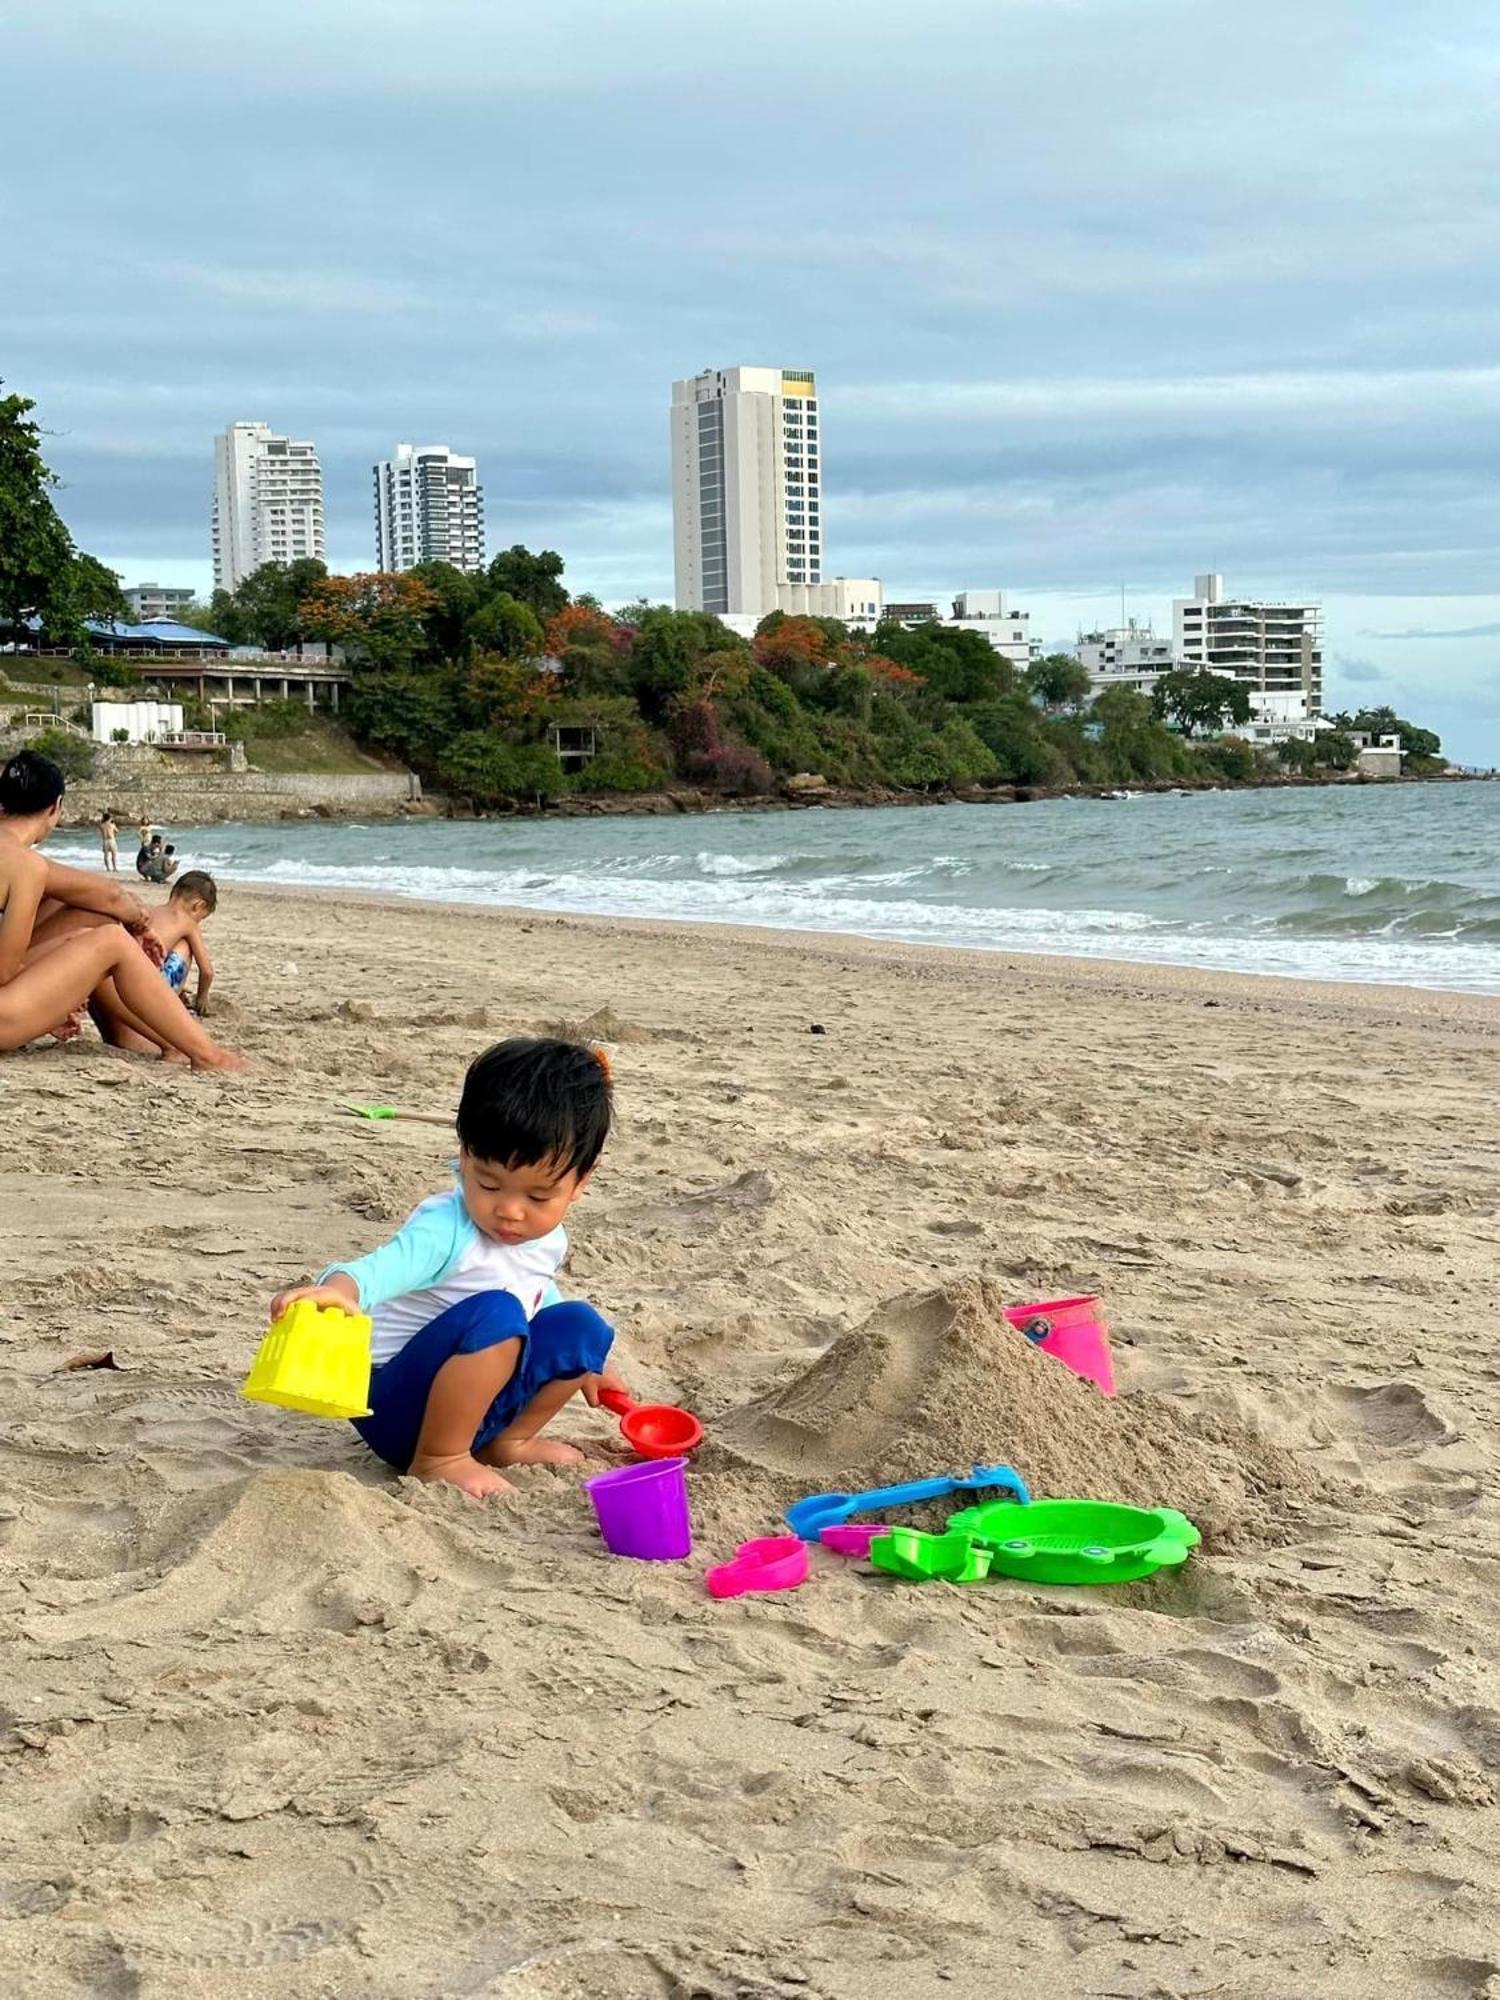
{"x":475,"y":1351}
{"x":178,"y":929}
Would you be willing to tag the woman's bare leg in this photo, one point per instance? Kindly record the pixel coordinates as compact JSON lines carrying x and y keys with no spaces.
{"x":122,"y":1029}
{"x":62,"y":977}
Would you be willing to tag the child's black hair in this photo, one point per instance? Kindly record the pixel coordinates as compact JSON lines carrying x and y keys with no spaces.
{"x":530,"y":1101}
{"x":196,"y":883}
{"x":30,"y":783}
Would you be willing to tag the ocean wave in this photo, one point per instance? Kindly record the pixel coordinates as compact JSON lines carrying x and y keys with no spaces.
{"x":1400,"y":885}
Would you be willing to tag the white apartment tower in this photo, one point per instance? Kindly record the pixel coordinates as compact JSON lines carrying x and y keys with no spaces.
{"x":1275,"y":648}
{"x":747,"y":488}
{"x":268,"y":501}
{"x":429,"y":507}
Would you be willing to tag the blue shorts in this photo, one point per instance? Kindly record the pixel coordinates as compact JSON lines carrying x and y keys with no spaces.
{"x":560,"y":1342}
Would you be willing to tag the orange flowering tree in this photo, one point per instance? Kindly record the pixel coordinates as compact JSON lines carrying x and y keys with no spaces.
{"x":379,"y":617}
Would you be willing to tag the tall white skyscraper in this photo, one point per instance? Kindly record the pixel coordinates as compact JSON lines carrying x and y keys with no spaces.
{"x":268,"y":501}
{"x":746,"y":488}
{"x":429,"y":507}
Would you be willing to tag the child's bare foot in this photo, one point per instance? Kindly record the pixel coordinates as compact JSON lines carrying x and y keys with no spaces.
{"x":464,"y":1472}
{"x":531,"y":1451}
{"x":220,"y":1059}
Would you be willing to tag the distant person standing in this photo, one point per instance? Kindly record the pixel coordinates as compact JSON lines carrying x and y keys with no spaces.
{"x":109,"y":840}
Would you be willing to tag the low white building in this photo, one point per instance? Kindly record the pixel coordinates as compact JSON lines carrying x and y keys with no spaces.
{"x":142,"y":721}
{"x":151,"y":601}
{"x":1129,"y":656}
{"x":1379,"y":756}
{"x":987,"y":612}
{"x":858,"y":600}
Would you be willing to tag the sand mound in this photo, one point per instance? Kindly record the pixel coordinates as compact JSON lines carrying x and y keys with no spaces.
{"x":939,"y":1381}
{"x":281,"y":1551}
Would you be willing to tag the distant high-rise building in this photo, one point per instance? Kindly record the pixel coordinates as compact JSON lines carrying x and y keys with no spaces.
{"x":1276,"y":649}
{"x":268,"y":501}
{"x":429,"y":507}
{"x":148,"y":601}
{"x":747,"y":488}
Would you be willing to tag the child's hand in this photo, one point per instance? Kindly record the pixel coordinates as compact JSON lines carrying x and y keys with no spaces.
{"x":607,"y":1378}
{"x":339,"y":1291}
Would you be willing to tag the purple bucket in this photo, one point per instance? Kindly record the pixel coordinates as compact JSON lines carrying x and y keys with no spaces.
{"x":643,"y":1510}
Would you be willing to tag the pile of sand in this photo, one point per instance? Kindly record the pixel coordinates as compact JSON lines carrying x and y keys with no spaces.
{"x":940,"y":1381}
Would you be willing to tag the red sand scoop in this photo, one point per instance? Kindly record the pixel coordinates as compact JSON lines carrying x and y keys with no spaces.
{"x":655,"y":1430}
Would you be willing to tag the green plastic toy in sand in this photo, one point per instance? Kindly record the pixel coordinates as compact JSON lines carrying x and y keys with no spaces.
{"x":1078,"y":1541}
{"x":1045,"y":1541}
{"x":912,"y":1553}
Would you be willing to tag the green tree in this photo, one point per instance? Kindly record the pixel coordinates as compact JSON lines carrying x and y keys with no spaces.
{"x":482,"y":767}
{"x":507,"y":626}
{"x":42,"y":575}
{"x":665,"y":653}
{"x":270,"y":605}
{"x":94,"y":592}
{"x":1133,"y":741}
{"x":533,"y":580}
{"x":412,"y":715}
{"x":457,"y":597}
{"x":956,"y":666}
{"x":73,"y":755}
{"x":1058,"y":681}
{"x":1200,"y":703}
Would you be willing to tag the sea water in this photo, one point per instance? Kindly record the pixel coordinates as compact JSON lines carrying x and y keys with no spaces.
{"x":1393,"y":883}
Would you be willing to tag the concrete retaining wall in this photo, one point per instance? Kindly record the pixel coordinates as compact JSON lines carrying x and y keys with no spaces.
{"x":193,"y":798}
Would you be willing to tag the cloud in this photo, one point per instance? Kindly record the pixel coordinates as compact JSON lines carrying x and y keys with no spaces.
{"x":1429,"y":632}
{"x":1067,"y":328}
{"x":1352,"y":667}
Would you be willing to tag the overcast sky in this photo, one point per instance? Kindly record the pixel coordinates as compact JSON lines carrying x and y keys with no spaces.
{"x":1098,"y":292}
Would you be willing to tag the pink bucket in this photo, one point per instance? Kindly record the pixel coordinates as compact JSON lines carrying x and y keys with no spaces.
{"x":1074,"y":1332}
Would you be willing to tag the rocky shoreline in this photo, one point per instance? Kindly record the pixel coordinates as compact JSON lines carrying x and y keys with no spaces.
{"x":247,"y":799}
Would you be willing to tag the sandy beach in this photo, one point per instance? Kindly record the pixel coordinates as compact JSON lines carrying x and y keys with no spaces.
{"x":276,"y":1724}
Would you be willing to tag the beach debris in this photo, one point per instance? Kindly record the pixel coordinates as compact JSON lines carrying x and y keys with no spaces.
{"x":97,"y":1357}
{"x":381,"y":1113}
{"x":817,"y":1028}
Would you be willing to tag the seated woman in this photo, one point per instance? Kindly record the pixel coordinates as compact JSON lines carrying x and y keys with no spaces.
{"x":48,"y":970}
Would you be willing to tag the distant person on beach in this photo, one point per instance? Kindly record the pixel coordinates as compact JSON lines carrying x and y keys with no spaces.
{"x":150,"y":845}
{"x":475,"y":1349}
{"x":63,"y":932}
{"x":109,"y":840}
{"x":161,"y":864}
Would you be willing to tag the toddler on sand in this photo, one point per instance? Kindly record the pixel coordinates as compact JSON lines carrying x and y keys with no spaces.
{"x":475,"y":1350}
